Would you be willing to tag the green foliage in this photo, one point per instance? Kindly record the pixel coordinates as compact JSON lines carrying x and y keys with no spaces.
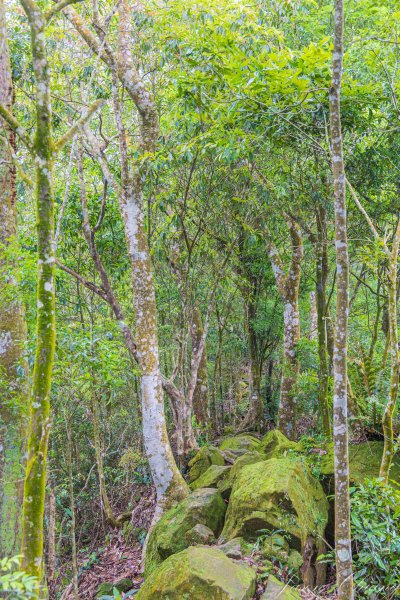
{"x":375,"y":524}
{"x":16,"y":584}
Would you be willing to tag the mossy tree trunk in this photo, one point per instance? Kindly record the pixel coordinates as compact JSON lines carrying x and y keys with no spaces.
{"x":288,"y":287}
{"x":12,"y":328}
{"x":39,"y":425}
{"x":42,"y":149}
{"x":344,"y":570}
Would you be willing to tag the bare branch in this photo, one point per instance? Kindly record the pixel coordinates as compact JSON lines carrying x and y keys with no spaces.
{"x":367,"y":218}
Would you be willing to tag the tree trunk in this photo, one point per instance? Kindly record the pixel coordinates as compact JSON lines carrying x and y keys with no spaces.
{"x":168,"y":481}
{"x":321,"y":277}
{"x":12,"y":329}
{"x":344,"y":569}
{"x":201,"y":392}
{"x":39,"y":427}
{"x":387,"y":420}
{"x":72,"y":508}
{"x":51,"y":544}
{"x":313,"y":316}
{"x":288,"y":287}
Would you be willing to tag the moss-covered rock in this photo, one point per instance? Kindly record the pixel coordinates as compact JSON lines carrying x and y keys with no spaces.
{"x":275,"y":547}
{"x":211,"y":477}
{"x":236,"y":548}
{"x":199,"y":573}
{"x":200,"y":535}
{"x":276,"y":590}
{"x":226,"y":484}
{"x":240,"y":444}
{"x":279,"y":493}
{"x":122,"y":585}
{"x":204,"y":506}
{"x":274,"y":444}
{"x":206,"y":456}
{"x":365,"y":460}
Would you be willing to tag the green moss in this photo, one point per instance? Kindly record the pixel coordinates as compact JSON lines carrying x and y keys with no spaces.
{"x":277,"y":494}
{"x":205,"y":458}
{"x":276,"y":590}
{"x":275,"y":547}
{"x":200,"y":535}
{"x":240,"y":444}
{"x":198,"y":574}
{"x":204,"y":506}
{"x":211,"y":477}
{"x":365,"y":460}
{"x":226,"y":484}
{"x":275,"y":444}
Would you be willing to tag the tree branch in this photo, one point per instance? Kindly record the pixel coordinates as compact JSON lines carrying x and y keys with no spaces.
{"x":58,"y":7}
{"x":367,"y":218}
{"x":75,"y":128}
{"x":16,"y":127}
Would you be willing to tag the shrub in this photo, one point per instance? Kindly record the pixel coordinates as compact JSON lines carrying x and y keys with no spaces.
{"x":375,"y":525}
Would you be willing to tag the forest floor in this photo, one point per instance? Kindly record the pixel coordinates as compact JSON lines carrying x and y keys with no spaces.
{"x":121,"y":554}
{"x":121,"y":557}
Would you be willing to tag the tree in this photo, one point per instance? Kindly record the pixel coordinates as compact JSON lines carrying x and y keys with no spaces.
{"x":288,"y":287}
{"x":344,"y":572}
{"x":13,"y":332}
{"x":42,"y":148}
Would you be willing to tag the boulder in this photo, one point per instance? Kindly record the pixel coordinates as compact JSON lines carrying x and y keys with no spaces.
{"x":122,"y":585}
{"x":276,"y":590}
{"x":205,"y":457}
{"x":211,"y":477}
{"x":365,"y":460}
{"x":225,"y":485}
{"x":274,"y":444}
{"x":204,"y":506}
{"x":236,"y":548}
{"x":277,"y":494}
{"x":199,"y":573}
{"x":240,"y":444}
{"x":200,"y":535}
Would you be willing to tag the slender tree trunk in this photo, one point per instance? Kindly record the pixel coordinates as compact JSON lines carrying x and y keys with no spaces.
{"x":256,"y":405}
{"x":51,"y":544}
{"x":313,"y":316}
{"x":39,"y":426}
{"x":387,"y":420}
{"x":344,"y":569}
{"x":322,"y":276}
{"x":254,"y":416}
{"x":288,"y":287}
{"x":73,"y":520}
{"x":201,"y":392}
{"x":12,"y":329}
